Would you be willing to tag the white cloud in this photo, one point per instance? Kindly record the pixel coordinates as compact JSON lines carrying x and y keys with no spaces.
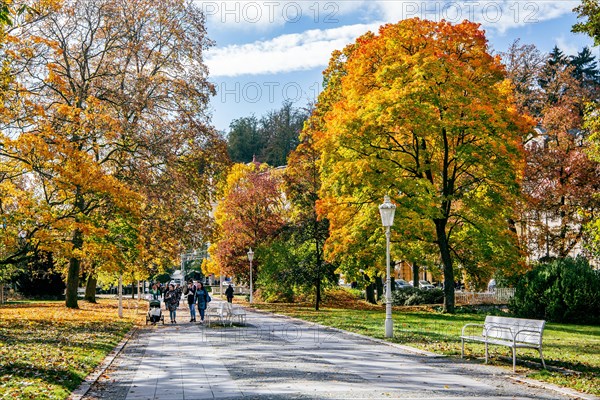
{"x":285,"y":53}
{"x":568,"y":47}
{"x":498,"y":15}
{"x":312,"y":48}
{"x":266,"y":15}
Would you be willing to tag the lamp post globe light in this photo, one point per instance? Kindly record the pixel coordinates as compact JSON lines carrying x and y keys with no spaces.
{"x":250,"y":258}
{"x":387,"y":211}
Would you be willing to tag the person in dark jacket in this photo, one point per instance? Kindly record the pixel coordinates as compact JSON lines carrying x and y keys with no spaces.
{"x":172,"y":302}
{"x":202,"y":298}
{"x":191,"y":300}
{"x":229,"y":293}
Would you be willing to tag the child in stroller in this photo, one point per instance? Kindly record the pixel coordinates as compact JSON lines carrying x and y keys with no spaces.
{"x":154,"y":313}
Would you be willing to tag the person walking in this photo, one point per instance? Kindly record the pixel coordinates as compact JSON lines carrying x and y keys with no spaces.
{"x":202,"y":298}
{"x":229,"y":294}
{"x":191,"y":300}
{"x":172,"y":302}
{"x":164,"y":288}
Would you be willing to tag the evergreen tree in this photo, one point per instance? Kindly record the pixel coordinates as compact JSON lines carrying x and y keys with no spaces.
{"x":555,"y":63}
{"x":270,"y":139}
{"x":585,"y":68}
{"x":280,"y":130}
{"x":557,"y":57}
{"x":244,"y":140}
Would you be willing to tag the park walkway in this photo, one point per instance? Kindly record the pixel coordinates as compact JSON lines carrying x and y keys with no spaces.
{"x":275,"y":357}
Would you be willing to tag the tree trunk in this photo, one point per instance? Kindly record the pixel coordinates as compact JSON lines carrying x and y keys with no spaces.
{"x":318,"y":295}
{"x":2,"y":293}
{"x":90,"y":288}
{"x":370,"y":293}
{"x":415,"y":271}
{"x":319,"y":263}
{"x":73,"y":273}
{"x":379,"y":287}
{"x":121,"y":296}
{"x":139,"y":292}
{"x":442,"y":240}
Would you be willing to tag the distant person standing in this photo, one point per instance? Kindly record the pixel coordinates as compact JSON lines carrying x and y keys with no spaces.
{"x":492,"y":286}
{"x":229,"y":293}
{"x":172,"y":302}
{"x":202,"y":299}
{"x":191,"y":300}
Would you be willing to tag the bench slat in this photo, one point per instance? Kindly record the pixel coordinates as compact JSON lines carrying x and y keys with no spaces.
{"x":506,"y":328}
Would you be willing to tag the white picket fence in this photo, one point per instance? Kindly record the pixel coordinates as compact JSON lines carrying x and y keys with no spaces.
{"x":498,"y":296}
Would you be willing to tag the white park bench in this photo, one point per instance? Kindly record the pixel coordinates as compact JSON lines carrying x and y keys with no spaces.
{"x":218,"y":312}
{"x":226,"y":313}
{"x":237,"y":313}
{"x":505,"y":331}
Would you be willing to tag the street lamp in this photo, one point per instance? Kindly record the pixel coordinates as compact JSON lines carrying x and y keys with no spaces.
{"x":250,"y":257}
{"x":387,"y":210}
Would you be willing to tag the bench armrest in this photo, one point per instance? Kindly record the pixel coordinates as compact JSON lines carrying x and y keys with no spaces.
{"x":462,"y":333}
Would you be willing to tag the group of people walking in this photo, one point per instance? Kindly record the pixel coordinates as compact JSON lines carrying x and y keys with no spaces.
{"x":196,"y":296}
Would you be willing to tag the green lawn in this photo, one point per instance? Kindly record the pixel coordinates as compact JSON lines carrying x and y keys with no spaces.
{"x":46,"y":350}
{"x":571,"y":352}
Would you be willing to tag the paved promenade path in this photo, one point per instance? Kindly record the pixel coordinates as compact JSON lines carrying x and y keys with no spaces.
{"x":275,"y":357}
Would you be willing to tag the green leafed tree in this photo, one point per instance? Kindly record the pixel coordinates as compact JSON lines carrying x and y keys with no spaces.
{"x":589,"y":14}
{"x":302,"y":183}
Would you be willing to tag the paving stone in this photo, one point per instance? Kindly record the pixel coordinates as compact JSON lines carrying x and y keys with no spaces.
{"x":279,"y":358}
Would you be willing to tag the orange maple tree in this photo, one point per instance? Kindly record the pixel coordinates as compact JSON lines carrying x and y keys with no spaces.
{"x":421,"y":111}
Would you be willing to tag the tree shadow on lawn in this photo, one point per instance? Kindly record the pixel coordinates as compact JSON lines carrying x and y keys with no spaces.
{"x":32,"y":332}
{"x":66,"y":378}
{"x":31,"y":304}
{"x":576,"y":329}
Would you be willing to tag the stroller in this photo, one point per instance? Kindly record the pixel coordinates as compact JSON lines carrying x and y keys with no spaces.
{"x":154,"y":313}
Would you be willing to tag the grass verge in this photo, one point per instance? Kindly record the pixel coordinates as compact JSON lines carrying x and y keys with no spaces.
{"x":46,"y":350}
{"x":571,"y":352}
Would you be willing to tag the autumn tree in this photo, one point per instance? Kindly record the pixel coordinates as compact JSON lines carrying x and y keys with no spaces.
{"x":560,"y":179}
{"x":524,"y":63}
{"x":249,"y":214}
{"x":117,"y":120}
{"x":15,"y":198}
{"x":424,"y":113}
{"x":588,"y":13}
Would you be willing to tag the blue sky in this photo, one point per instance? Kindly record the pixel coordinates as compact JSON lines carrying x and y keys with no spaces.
{"x":269,"y":51}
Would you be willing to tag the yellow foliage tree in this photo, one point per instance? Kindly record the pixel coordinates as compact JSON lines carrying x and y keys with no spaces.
{"x":113,"y":127}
